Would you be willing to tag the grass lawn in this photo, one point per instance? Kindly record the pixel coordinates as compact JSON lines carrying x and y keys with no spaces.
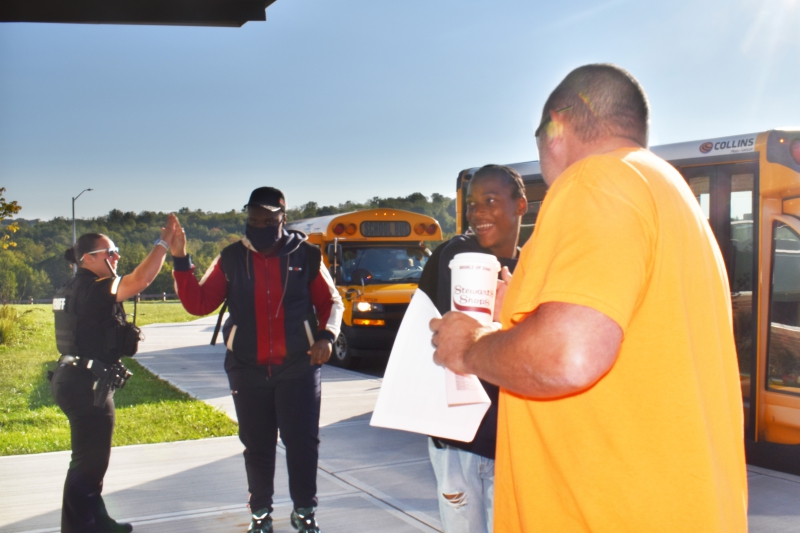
{"x":158,"y":312}
{"x":149,"y":410}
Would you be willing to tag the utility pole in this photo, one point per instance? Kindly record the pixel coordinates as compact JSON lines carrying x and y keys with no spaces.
{"x":74,"y":233}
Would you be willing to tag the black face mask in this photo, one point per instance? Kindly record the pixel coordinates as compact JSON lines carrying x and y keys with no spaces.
{"x":263,"y":238}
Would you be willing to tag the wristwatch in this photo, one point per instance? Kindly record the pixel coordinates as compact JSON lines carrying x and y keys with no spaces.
{"x":161,"y":242}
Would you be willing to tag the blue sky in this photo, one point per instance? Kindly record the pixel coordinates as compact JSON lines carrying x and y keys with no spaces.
{"x":346,"y":100}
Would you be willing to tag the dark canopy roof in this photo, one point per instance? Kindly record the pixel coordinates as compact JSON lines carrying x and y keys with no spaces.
{"x":166,"y":12}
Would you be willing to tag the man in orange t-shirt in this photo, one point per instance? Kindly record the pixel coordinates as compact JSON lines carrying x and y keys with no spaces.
{"x":620,"y":407}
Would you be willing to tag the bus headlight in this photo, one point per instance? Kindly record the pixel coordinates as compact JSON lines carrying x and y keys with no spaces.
{"x":367,"y":307}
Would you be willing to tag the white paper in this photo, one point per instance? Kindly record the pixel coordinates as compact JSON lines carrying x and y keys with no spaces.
{"x":413,"y":395}
{"x":463,"y":389}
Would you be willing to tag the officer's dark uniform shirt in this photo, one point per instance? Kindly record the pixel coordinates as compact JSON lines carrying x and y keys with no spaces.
{"x":95,"y":304}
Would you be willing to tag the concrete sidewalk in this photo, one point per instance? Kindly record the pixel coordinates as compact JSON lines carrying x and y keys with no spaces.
{"x":370,"y":479}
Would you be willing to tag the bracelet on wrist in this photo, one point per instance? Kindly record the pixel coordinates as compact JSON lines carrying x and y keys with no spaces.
{"x":162,"y":242}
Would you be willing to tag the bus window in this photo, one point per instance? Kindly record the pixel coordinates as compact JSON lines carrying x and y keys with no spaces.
{"x":783,"y":355}
{"x":740,"y":273}
{"x":742,"y":246}
{"x":700,"y":188}
{"x":725,"y":194}
{"x":740,"y":265}
{"x":386,"y":264}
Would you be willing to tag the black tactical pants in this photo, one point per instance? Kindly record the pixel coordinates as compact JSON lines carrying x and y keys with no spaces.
{"x":91,"y":428}
{"x":292,"y":406}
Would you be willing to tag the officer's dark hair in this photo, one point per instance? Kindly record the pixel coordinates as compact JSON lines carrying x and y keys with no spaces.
{"x":510,"y":177}
{"x":600,"y":100}
{"x":85,"y":243}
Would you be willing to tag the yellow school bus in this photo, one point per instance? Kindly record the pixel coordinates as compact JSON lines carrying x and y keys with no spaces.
{"x":749,"y":189}
{"x":375,"y":257}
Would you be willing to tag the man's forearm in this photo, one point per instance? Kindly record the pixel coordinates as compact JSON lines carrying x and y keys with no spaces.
{"x":558,"y":350}
{"x":506,"y":359}
{"x":497,"y":358}
{"x":199,"y":299}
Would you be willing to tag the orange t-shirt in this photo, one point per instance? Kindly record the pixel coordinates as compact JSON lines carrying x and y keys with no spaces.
{"x":656,"y":445}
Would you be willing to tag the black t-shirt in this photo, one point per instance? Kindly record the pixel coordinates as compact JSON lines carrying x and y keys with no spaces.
{"x":95,"y":304}
{"x":435,"y":282}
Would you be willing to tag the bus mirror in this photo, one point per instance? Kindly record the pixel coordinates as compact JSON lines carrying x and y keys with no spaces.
{"x":351,"y":294}
{"x":334,"y":253}
{"x":336,"y":274}
{"x":361,"y":276}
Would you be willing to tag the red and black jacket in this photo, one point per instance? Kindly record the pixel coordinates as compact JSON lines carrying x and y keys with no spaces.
{"x":279,"y":305}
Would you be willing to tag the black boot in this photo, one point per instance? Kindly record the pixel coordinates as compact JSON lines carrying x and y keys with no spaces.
{"x":104,"y":523}
{"x":109,"y":525}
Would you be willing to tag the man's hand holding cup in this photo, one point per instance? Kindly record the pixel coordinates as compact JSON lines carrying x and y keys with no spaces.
{"x":474,"y":286}
{"x":453,"y":335}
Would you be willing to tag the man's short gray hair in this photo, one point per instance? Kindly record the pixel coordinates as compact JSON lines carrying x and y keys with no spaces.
{"x":601,"y":100}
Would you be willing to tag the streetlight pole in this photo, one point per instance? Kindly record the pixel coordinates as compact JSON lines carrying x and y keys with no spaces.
{"x":74,"y":233}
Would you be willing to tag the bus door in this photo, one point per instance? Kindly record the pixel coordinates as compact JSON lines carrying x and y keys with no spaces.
{"x":780,"y":409}
{"x":728,"y":197}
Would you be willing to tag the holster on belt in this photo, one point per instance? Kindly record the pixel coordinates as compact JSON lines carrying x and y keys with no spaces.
{"x":107,"y":378}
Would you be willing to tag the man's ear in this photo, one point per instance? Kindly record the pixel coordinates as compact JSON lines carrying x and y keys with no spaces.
{"x":522,"y":206}
{"x":555,"y":129}
{"x":558,"y":138}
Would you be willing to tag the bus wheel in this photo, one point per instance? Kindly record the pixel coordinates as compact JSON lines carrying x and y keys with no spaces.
{"x":343,"y":355}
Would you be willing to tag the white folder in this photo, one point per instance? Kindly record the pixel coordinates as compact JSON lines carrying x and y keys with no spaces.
{"x":413,"y":396}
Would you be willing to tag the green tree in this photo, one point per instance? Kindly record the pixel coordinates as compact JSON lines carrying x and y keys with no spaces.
{"x":27,"y":282}
{"x":36,"y":266}
{"x":40,"y":286}
{"x":8,"y":285}
{"x":8,"y":209}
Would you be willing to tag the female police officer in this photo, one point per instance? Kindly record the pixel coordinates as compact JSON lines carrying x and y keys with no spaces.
{"x":92,"y":334}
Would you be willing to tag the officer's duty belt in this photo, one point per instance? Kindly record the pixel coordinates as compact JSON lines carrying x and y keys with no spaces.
{"x":74,"y":360}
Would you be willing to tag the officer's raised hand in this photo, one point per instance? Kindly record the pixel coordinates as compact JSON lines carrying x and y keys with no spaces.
{"x":178,"y":244}
{"x":144,"y":274}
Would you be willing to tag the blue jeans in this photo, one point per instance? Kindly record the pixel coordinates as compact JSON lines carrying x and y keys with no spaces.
{"x":465,"y":489}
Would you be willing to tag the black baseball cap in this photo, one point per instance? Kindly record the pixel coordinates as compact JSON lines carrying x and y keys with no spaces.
{"x":268,"y":198}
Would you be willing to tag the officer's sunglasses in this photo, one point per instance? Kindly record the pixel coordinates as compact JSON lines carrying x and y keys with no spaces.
{"x":113,"y":250}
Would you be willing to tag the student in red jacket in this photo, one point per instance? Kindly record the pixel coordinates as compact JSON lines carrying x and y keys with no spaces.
{"x":285,"y":313}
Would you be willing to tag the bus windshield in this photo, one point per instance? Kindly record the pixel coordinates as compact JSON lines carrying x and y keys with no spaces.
{"x":386,"y":264}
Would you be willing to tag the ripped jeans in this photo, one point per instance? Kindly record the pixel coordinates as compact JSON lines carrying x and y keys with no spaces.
{"x":465,"y":486}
